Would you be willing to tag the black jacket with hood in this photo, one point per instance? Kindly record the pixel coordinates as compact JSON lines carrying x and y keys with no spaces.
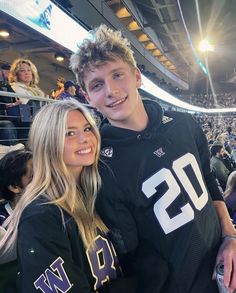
{"x":157,"y":200}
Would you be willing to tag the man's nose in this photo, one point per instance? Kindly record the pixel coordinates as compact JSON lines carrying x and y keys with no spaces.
{"x":112,"y":89}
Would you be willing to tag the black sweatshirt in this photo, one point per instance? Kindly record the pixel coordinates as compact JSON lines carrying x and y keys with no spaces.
{"x":157,"y":200}
{"x":52,"y":257}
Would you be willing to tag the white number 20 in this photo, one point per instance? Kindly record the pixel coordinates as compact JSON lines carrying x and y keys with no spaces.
{"x":186,"y":214}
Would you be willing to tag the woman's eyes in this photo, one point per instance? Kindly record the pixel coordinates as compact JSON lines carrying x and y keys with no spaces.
{"x":70,"y":133}
{"x":88,"y":128}
{"x":23,"y":71}
{"x":74,"y":132}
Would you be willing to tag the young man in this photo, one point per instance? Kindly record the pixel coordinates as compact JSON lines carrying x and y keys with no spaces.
{"x":159,"y":197}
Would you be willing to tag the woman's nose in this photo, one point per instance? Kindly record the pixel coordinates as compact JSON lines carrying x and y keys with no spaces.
{"x":82,"y":137}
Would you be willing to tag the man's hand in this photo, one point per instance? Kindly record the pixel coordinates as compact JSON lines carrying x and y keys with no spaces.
{"x":227,"y":255}
{"x":227,"y":251}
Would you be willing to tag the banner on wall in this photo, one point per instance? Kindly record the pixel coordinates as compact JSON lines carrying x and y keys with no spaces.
{"x":48,"y":19}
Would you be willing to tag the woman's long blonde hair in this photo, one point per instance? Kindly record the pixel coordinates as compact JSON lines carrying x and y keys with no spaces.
{"x":231,"y":184}
{"x":51,"y":176}
{"x":15,"y":67}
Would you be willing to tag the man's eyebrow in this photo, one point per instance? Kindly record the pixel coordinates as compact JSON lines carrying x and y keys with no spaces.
{"x":100,"y":78}
{"x":94,"y":80}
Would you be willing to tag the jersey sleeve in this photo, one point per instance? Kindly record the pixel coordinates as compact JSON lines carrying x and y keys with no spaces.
{"x":45,"y":257}
{"x":204,"y":154}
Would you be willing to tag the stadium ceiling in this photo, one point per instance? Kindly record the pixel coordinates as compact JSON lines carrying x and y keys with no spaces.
{"x":175,"y":27}
{"x":180,"y":25}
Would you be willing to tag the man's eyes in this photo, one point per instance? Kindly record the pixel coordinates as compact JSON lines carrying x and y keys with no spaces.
{"x":118,"y":75}
{"x":96,"y":86}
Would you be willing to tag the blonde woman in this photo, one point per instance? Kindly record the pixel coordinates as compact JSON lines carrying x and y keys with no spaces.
{"x":62,"y":244}
{"x":24,"y":79}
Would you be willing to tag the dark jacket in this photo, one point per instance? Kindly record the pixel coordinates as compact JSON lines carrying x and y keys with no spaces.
{"x":51,"y":255}
{"x":157,"y":200}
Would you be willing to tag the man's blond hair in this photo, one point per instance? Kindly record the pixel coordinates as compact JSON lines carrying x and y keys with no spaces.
{"x":102,"y":45}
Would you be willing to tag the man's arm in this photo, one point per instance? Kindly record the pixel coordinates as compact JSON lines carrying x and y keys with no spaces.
{"x":227,"y":251}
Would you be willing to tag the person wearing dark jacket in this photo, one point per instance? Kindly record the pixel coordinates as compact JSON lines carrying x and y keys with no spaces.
{"x":62,"y":244}
{"x":230,"y":196}
{"x":219,"y":166}
{"x":159,"y":197}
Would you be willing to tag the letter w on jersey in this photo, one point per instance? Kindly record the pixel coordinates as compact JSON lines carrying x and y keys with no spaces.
{"x":51,"y":282}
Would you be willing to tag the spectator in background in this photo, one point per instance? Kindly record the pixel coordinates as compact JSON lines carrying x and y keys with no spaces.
{"x":221,"y":171}
{"x":69,"y":91}
{"x":60,"y":88}
{"x":8,"y":132}
{"x":16,"y":173}
{"x":230,"y":196}
{"x":4,"y":73}
{"x":24,"y":79}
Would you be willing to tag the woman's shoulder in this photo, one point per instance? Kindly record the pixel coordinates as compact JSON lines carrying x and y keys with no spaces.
{"x":41,"y":208}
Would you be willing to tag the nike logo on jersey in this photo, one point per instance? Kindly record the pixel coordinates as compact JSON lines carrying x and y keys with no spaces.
{"x":107,"y":152}
{"x":166,"y":119}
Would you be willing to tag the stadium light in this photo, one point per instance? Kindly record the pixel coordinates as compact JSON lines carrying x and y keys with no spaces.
{"x":5,"y":30}
{"x":205,"y":46}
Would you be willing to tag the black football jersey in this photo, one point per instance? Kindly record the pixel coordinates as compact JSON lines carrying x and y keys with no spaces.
{"x":52,"y":257}
{"x":157,"y":200}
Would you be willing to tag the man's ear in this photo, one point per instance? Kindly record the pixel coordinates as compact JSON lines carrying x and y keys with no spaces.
{"x":14,"y":188}
{"x":138,"y":78}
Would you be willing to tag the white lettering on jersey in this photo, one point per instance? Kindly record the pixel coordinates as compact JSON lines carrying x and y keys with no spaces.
{"x":169,"y":224}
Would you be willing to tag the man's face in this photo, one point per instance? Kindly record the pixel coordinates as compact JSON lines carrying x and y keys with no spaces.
{"x":221,"y":153}
{"x":112,"y":88}
{"x":73,"y":90}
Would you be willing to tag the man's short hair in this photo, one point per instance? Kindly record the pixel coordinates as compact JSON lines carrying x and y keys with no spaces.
{"x":215,"y":148}
{"x":100,"y":46}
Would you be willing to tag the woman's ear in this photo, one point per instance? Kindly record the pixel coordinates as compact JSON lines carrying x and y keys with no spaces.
{"x":15,"y":189}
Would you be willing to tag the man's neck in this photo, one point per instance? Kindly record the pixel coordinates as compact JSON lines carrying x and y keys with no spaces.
{"x":138,"y":121}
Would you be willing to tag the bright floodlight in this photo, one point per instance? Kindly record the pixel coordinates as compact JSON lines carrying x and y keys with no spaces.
{"x":205,"y":46}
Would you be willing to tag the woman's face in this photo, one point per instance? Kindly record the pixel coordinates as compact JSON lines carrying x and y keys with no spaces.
{"x":80,"y":146}
{"x":24,"y":74}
